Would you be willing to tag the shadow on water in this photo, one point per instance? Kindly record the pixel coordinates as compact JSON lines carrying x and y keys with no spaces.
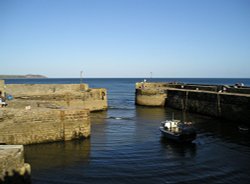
{"x":218,"y":129}
{"x":151,"y":113}
{"x":163,"y":113}
{"x":98,"y":117}
{"x":57,"y":154}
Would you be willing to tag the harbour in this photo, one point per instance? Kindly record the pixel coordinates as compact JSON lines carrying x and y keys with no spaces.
{"x":126,"y":146}
{"x":124,"y":92}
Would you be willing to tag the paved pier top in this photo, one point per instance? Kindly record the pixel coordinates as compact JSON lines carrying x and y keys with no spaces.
{"x":233,"y":89}
{"x":55,"y":96}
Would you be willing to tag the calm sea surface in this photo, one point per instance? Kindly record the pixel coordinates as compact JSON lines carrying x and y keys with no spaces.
{"x":126,"y":145}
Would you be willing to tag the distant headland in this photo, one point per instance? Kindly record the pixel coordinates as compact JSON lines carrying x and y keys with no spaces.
{"x":28,"y":76}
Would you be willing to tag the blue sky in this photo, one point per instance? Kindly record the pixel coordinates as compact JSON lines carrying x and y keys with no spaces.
{"x":125,"y":38}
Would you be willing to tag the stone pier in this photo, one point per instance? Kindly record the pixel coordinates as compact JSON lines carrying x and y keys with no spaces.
{"x":57,"y":96}
{"x":227,"y":102}
{"x":40,"y":113}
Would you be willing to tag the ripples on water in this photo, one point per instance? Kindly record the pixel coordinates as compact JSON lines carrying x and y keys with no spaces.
{"x":126,"y":147}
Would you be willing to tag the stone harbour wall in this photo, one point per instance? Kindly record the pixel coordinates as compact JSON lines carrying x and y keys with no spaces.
{"x":150,"y":97}
{"x":44,"y":89}
{"x":224,"y":105}
{"x":43,"y":125}
{"x":204,"y":99}
{"x":57,"y":96}
{"x":13,"y":169}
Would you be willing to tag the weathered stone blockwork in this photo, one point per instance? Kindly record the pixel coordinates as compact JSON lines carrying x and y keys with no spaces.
{"x":150,"y":97}
{"x":57,"y":96}
{"x":228,"y":106}
{"x":203,"y":99}
{"x":12,"y":166}
{"x":44,"y":89}
{"x":193,"y":101}
{"x":43,"y":125}
{"x":2,"y":86}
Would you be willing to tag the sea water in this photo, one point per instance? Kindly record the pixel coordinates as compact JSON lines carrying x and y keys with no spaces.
{"x":126,"y":145}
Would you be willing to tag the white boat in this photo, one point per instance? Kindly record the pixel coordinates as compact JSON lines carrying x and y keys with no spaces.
{"x":178,"y":131}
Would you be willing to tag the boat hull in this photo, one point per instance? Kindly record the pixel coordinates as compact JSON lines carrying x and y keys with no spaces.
{"x":178,"y":137}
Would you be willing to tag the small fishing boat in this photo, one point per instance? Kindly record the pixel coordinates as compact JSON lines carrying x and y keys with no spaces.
{"x":178,"y":131}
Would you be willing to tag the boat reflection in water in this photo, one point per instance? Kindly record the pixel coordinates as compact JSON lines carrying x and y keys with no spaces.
{"x":181,"y":150}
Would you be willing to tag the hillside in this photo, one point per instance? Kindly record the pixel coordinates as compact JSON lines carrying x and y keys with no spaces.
{"x":28,"y":76}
